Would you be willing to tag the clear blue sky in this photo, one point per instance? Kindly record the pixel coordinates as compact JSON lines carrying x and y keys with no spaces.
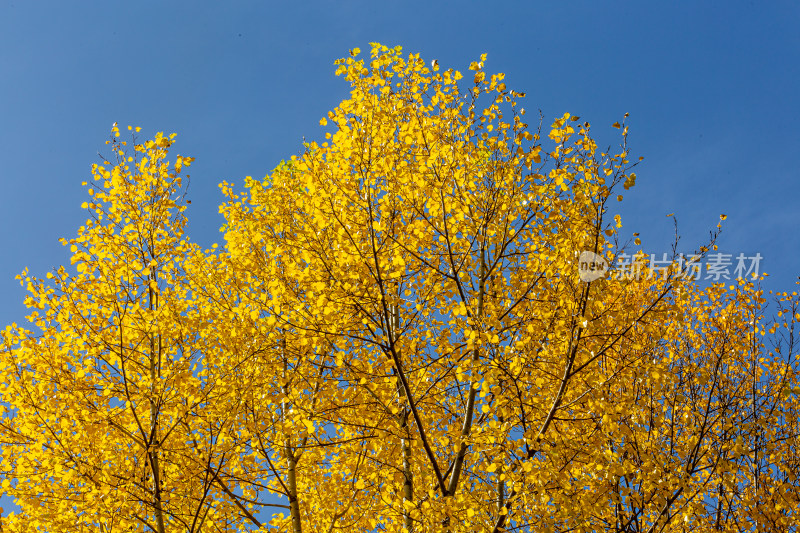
{"x":712,"y":91}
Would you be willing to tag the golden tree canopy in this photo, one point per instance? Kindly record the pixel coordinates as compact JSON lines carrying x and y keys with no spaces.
{"x":397,"y":336}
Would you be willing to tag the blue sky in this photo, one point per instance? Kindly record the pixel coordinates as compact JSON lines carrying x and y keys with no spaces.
{"x":712,"y":91}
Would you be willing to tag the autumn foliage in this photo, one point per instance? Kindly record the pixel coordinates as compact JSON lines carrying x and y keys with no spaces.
{"x":394,"y":338}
